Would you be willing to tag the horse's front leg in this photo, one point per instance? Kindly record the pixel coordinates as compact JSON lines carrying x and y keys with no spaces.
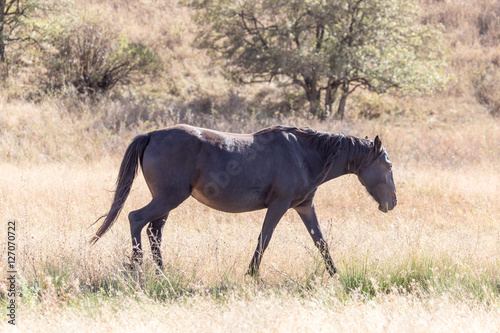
{"x":307,"y":213}
{"x":274,"y":213}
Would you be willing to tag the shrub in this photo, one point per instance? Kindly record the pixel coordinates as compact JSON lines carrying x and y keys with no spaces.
{"x":486,"y":86}
{"x":91,"y":56}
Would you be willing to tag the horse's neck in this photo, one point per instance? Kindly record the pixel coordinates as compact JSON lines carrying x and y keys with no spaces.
{"x":339,"y":167}
{"x":349,"y":161}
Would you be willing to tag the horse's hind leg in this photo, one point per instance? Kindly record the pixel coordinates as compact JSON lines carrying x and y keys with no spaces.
{"x":138,"y":220}
{"x":158,"y":208}
{"x":155,"y":231}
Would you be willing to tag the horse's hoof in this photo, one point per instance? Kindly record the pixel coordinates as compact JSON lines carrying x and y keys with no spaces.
{"x":133,"y":266}
{"x":159,"y":271}
{"x":128,"y":266}
{"x":254,"y":277}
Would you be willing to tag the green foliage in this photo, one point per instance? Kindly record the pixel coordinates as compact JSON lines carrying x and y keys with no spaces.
{"x":91,"y":56}
{"x":18,"y":30}
{"x":326,"y":46}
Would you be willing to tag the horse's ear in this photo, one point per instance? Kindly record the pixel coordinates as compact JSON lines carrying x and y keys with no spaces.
{"x":377,"y":144}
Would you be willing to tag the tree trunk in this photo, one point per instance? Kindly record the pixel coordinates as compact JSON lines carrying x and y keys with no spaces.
{"x":313,"y":95}
{"x":2,"y":38}
{"x":343,"y":99}
{"x":331,"y":95}
{"x":314,"y":98}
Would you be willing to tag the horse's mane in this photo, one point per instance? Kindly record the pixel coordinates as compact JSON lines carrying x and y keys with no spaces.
{"x":359,"y":151}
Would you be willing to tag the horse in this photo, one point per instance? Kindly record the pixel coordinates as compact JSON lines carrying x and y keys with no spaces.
{"x":277,"y":168}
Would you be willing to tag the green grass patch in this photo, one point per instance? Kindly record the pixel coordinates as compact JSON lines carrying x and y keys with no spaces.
{"x":419,"y":274}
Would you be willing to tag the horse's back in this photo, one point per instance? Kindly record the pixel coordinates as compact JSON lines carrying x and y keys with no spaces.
{"x":226,"y":171}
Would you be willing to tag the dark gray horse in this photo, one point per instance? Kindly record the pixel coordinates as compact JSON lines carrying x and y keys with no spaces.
{"x":276,"y":168}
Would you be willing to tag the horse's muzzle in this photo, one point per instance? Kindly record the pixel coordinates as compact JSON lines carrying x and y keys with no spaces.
{"x":386,"y":206}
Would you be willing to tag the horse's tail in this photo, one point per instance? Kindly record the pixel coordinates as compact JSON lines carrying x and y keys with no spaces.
{"x":126,"y":176}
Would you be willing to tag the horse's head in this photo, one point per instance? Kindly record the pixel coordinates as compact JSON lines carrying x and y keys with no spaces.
{"x":376,"y":176}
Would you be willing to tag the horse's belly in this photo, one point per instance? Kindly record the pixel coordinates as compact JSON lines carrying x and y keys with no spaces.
{"x":231,"y":201}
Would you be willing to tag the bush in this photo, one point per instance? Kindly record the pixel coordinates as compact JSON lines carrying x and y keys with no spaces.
{"x":486,"y":86}
{"x":91,"y":56}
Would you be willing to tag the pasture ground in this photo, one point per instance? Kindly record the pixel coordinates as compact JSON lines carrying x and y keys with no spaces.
{"x":431,"y":264}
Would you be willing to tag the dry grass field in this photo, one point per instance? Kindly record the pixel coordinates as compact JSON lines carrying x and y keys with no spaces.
{"x":431,"y":264}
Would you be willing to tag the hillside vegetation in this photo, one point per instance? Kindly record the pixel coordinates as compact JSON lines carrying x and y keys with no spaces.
{"x":186,"y":86}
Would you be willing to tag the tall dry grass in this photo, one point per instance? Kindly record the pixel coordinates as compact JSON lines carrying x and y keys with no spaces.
{"x":432,"y":263}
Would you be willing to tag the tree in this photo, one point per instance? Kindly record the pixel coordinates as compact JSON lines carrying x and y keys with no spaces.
{"x":13,"y":16}
{"x":326,"y":47}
